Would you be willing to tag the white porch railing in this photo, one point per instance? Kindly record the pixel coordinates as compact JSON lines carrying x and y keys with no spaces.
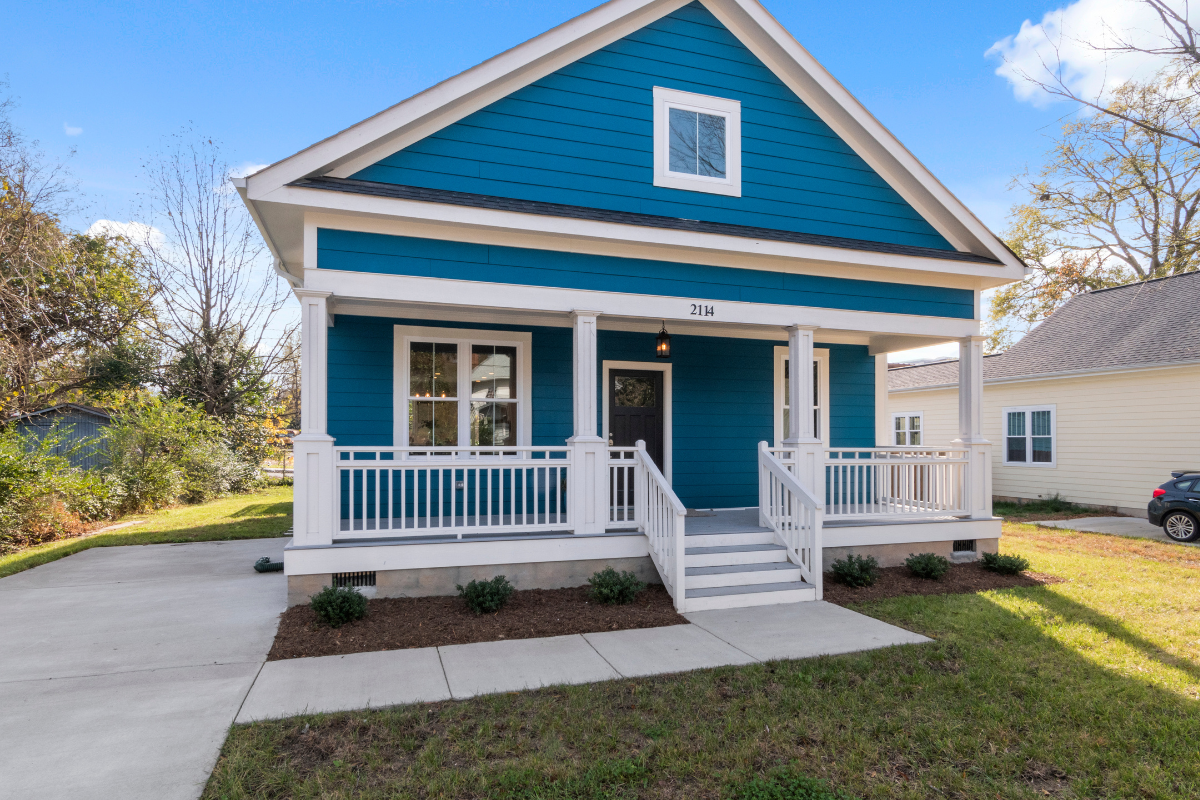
{"x":793,"y":512}
{"x":900,"y":482}
{"x":390,"y":492}
{"x":622,"y":476}
{"x":661,"y":516}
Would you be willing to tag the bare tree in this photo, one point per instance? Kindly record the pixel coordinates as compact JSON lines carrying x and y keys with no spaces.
{"x":1175,"y":43}
{"x":219,"y":304}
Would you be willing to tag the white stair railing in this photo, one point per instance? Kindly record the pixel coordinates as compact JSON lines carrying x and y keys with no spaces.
{"x":791,"y":510}
{"x":661,"y":516}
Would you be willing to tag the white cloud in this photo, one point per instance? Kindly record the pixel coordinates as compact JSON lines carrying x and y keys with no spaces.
{"x":136,"y":233}
{"x":70,"y":130}
{"x":1065,"y":41}
{"x":246,"y":169}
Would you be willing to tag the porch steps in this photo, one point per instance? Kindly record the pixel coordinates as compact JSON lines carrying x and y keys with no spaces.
{"x":732,"y":562}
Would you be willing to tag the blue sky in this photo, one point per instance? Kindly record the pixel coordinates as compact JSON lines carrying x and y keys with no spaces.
{"x":110,"y":80}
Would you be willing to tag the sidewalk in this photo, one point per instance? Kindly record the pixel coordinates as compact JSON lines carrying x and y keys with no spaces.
{"x":713,"y":639}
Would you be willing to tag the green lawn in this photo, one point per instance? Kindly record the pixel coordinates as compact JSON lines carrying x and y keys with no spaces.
{"x":244,"y":516}
{"x":1088,"y":688}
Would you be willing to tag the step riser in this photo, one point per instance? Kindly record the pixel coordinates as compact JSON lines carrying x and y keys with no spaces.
{"x":747,"y":600}
{"x":727,"y":559}
{"x":743,"y":578}
{"x":729,"y":539}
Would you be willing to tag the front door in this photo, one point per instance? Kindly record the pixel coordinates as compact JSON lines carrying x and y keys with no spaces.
{"x":636,"y":409}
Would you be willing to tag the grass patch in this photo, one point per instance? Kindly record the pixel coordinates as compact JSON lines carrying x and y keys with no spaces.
{"x":1087,"y":688}
{"x":259,"y":515}
{"x":1049,"y":508}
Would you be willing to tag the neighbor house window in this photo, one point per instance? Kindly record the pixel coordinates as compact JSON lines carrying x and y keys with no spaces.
{"x":906,"y":429}
{"x":1029,"y":436}
{"x":461,"y":391}
{"x":697,"y":142}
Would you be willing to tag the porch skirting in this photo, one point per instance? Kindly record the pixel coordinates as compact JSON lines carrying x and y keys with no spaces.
{"x":442,"y":581}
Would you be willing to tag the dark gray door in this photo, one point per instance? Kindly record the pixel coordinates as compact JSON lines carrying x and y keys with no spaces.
{"x":636,"y":409}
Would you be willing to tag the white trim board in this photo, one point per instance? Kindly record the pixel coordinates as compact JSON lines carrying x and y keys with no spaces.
{"x":668,"y":399}
{"x":419,"y":116}
{"x":908,"y":532}
{"x":363,"y":286}
{"x":403,"y":334}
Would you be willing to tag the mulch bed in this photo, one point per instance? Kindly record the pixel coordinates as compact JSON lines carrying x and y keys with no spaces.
{"x":403,"y":622}
{"x":961,"y":579}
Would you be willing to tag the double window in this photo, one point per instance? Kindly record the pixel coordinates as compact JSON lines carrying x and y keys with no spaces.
{"x":461,"y":391}
{"x":697,"y":142}
{"x":906,"y":429}
{"x":1029,"y":437}
{"x":820,"y":409}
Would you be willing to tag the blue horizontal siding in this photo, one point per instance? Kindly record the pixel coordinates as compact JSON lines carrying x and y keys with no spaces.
{"x":583,"y":135}
{"x":722,"y":392}
{"x":436,"y":258}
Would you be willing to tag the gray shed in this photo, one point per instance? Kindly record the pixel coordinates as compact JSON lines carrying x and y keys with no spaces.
{"x":79,"y":425}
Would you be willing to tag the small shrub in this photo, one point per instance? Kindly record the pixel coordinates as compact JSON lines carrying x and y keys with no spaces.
{"x":486,"y":597}
{"x":787,"y":785}
{"x":930,"y":566}
{"x":612,"y":587}
{"x":337,"y":605}
{"x":855,"y":570}
{"x":1004,"y":564}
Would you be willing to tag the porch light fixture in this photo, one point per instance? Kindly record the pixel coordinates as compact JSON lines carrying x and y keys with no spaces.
{"x":662,"y":346}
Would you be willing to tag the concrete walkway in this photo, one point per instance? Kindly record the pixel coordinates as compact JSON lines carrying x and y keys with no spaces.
{"x":714,"y":639}
{"x":1117,"y":526}
{"x":123,"y":667}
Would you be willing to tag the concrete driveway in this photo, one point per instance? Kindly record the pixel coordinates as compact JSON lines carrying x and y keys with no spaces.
{"x":121,"y":668}
{"x":1116,"y":526}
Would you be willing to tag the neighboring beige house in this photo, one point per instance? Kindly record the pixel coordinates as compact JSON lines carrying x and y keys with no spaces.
{"x":1097,"y":404}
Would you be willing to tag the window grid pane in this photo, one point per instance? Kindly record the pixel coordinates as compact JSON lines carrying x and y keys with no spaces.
{"x":1039,"y":423}
{"x":1016,"y":424}
{"x":1016,"y":449}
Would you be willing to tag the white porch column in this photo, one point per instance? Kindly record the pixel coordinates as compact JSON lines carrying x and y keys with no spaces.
{"x":802,"y":436}
{"x":313,"y":509}
{"x":970,"y":426}
{"x":589,"y":456}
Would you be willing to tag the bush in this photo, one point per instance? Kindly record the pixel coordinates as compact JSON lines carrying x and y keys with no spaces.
{"x":337,"y":605}
{"x":613,"y":588}
{"x":486,"y":597}
{"x":1005,"y":565}
{"x":855,"y":570}
{"x":930,"y":566}
{"x":787,"y":785}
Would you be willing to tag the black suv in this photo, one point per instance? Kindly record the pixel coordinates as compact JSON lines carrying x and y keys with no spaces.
{"x":1176,"y":506}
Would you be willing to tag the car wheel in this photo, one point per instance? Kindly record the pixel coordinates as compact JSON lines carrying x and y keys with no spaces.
{"x":1181,"y":527}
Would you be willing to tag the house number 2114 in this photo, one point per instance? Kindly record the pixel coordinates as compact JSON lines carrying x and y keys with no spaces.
{"x":700,"y":310}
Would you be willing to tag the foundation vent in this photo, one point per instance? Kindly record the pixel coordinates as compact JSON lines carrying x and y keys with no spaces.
{"x":353,"y":579}
{"x":961,"y":546}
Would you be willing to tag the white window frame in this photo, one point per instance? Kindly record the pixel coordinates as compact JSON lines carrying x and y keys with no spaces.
{"x":906,"y":415}
{"x":821,"y":358}
{"x":403,"y":335}
{"x":1053,"y":462}
{"x":731,"y":110}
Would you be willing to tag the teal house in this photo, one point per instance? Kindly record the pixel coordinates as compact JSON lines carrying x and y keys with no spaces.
{"x":623,"y":295}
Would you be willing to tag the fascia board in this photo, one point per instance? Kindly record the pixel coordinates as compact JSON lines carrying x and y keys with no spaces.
{"x":869,"y":138}
{"x":410,"y":120}
{"x":417,"y":211}
{"x":277,"y":260}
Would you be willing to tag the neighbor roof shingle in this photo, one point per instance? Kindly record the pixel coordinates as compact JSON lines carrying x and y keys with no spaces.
{"x":1152,"y":322}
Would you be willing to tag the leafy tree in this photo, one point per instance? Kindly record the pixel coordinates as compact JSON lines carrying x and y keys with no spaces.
{"x":1115,"y":202}
{"x":64,"y":298}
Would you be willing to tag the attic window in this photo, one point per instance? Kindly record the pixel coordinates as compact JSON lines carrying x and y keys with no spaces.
{"x":697,"y":142}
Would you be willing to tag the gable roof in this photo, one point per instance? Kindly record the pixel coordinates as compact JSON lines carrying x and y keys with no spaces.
{"x":346,"y":153}
{"x":1148,"y":323}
